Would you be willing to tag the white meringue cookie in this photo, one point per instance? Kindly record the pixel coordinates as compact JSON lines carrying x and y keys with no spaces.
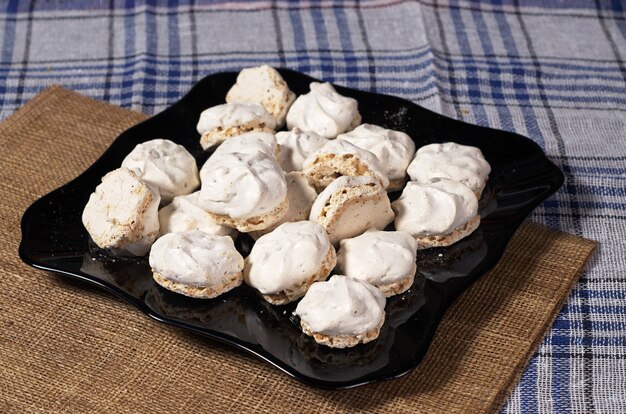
{"x":184,"y":214}
{"x":436,"y":208}
{"x":122,"y":214}
{"x":351,"y":205}
{"x":242,"y":185}
{"x":342,"y":306}
{"x":232,"y":119}
{"x":248,"y":143}
{"x":166,"y":166}
{"x":394,"y":149}
{"x":324,"y":111}
{"x":264,"y":86}
{"x":340,"y":147}
{"x":286,"y":257}
{"x":378,"y":257}
{"x":461,"y":163}
{"x":296,"y":146}
{"x":195,"y":258}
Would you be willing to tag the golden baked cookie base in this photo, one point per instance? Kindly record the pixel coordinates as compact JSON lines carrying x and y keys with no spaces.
{"x":459,"y":233}
{"x":230,"y":282}
{"x":343,"y":341}
{"x":249,"y":224}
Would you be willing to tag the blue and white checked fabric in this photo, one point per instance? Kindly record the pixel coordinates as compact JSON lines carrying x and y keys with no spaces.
{"x":552,"y":70}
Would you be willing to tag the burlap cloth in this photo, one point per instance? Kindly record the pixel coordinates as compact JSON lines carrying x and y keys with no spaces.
{"x":67,"y":347}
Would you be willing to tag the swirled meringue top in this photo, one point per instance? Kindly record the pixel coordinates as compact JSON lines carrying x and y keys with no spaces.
{"x":377,"y":257}
{"x":195,"y":258}
{"x":242,"y":185}
{"x":184,"y":214}
{"x":248,"y":143}
{"x":342,"y":147}
{"x":296,"y":145}
{"x":433,"y":209}
{"x":166,"y":166}
{"x":342,"y":306}
{"x":324,"y":111}
{"x":286,"y":257}
{"x":461,"y":163}
{"x":232,"y":115}
{"x":394,"y":149}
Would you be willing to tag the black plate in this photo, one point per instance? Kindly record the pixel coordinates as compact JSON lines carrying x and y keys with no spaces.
{"x":54,"y":239}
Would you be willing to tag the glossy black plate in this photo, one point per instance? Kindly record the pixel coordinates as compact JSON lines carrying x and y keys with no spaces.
{"x":54,"y":239}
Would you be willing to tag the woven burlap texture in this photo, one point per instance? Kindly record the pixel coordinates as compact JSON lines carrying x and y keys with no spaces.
{"x":67,"y":347}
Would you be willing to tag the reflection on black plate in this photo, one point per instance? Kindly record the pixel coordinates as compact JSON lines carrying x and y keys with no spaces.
{"x":54,"y":239}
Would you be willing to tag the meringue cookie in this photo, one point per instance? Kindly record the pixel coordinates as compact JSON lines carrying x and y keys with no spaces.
{"x":166,"y":166}
{"x":264,"y":86}
{"x":184,"y":214}
{"x":284,"y":263}
{"x":439,"y":213}
{"x":342,"y":312}
{"x":461,"y":163}
{"x":394,"y":150}
{"x":300,"y":196}
{"x":122,"y":214}
{"x":245,"y":191}
{"x":351,"y":205}
{"x":338,"y":158}
{"x":385,"y":259}
{"x":221,"y":122}
{"x":249,"y":143}
{"x":196,"y":264}
{"x":324,"y":111}
{"x":296,"y":146}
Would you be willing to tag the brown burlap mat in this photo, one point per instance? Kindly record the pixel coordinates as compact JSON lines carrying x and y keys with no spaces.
{"x":66,"y":347}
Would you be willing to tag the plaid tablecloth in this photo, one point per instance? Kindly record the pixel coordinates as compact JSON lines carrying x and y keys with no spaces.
{"x":554,"y":71}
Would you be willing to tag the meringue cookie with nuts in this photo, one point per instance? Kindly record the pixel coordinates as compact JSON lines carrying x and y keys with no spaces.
{"x":438,"y":213}
{"x":166,"y":166}
{"x":324,"y":111}
{"x":462,"y":163}
{"x":244,"y":191}
{"x":122,"y":214}
{"x":342,"y":312}
{"x":351,"y":205}
{"x":385,"y":259}
{"x":284,"y":263}
{"x":196,"y":264}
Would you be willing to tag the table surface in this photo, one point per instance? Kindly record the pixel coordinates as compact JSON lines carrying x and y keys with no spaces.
{"x":551,"y":70}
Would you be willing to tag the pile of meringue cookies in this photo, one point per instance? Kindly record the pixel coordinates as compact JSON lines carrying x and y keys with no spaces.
{"x":302,"y":193}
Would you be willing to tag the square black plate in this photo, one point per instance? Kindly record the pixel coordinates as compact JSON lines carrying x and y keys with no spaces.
{"x":54,"y":239}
